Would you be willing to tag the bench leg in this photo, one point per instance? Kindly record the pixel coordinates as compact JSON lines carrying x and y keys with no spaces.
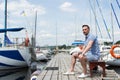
{"x":91,"y":66}
{"x":104,"y":74}
{"x":103,"y":68}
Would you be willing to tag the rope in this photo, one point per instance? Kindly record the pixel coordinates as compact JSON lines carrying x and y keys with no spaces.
{"x":115,"y":15}
{"x":103,"y":19}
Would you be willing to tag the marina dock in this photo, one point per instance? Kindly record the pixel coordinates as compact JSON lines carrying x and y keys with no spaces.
{"x":60,"y":63}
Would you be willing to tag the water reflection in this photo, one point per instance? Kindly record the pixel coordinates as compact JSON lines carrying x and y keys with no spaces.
{"x":16,"y":74}
{"x":22,"y":73}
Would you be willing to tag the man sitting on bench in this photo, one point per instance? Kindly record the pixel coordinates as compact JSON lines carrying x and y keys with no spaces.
{"x":90,"y":51}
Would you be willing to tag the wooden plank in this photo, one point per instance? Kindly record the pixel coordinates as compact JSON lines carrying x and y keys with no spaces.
{"x":44,"y":72}
{"x":64,"y":67}
{"x":72,"y":77}
{"x":42,"y":75}
{"x":48,"y":75}
{"x":107,"y":78}
{"x":55,"y":72}
{"x":50,"y":72}
{"x":60,"y":68}
{"x":54,"y":75}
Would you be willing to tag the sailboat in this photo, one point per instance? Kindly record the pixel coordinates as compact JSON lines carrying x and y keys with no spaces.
{"x":13,"y":55}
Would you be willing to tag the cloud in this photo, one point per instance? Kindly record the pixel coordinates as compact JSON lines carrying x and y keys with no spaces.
{"x":15,"y":7}
{"x":43,"y":23}
{"x":1,"y":25}
{"x":68,"y":7}
{"x":45,"y":34}
{"x":117,"y":33}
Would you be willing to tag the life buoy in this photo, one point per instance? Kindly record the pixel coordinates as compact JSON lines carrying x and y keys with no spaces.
{"x":112,"y":52}
{"x":26,"y":41}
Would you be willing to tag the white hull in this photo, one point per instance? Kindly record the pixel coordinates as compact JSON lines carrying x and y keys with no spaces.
{"x":40,"y":56}
{"x":113,"y":62}
{"x":107,"y":57}
{"x":14,"y":57}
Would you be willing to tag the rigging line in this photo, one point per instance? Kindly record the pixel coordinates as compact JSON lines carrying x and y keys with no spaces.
{"x":103,"y":19}
{"x":95,"y":19}
{"x":99,"y":28}
{"x":118,"y":4}
{"x":115,"y":15}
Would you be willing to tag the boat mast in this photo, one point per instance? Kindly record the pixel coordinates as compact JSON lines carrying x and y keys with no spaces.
{"x":34,"y":33}
{"x":35,"y":27}
{"x":56,"y":36}
{"x":112,"y":23}
{"x":95,"y":19}
{"x":5,"y":25}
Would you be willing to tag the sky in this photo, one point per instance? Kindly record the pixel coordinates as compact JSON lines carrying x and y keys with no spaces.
{"x":59,"y":21}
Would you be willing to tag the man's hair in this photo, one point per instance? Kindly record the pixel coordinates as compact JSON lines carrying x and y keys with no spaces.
{"x":86,"y":26}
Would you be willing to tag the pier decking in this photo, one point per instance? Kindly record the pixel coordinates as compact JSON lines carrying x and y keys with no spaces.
{"x":60,"y":63}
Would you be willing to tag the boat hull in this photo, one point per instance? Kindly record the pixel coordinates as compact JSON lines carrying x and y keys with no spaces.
{"x":14,"y":58}
{"x":113,"y":62}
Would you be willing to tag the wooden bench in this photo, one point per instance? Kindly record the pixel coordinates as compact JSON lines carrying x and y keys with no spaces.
{"x":93,"y":64}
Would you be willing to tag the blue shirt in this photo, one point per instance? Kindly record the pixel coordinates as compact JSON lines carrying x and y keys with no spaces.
{"x":95,"y":50}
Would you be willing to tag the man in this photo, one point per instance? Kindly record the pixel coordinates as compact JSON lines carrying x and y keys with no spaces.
{"x":90,"y":50}
{"x":75,"y":53}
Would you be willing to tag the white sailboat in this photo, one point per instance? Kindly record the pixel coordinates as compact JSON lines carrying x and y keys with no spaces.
{"x":13,"y":55}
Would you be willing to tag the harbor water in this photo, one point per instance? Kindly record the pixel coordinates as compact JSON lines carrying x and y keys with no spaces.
{"x":21,"y":73}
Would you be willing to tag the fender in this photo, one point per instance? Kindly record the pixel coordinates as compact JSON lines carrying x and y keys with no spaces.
{"x":26,"y":42}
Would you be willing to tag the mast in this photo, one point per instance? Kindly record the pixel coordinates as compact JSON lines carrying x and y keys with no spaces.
{"x":5,"y":25}
{"x":95,"y":18}
{"x":56,"y":37}
{"x":35,"y":27}
{"x":112,"y":25}
{"x":34,"y":32}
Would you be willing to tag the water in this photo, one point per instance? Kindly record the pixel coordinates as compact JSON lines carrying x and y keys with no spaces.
{"x":22,"y":73}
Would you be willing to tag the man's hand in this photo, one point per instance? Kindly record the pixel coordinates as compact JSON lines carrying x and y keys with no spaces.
{"x":81,"y":55}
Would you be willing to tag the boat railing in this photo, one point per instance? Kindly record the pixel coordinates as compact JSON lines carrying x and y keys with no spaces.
{"x":16,"y":43}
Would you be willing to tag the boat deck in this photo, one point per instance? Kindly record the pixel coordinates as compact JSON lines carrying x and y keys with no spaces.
{"x":60,"y":63}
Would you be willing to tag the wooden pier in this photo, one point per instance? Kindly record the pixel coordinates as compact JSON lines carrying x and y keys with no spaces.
{"x":60,"y":63}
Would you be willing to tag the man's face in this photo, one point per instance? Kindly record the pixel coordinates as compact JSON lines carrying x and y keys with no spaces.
{"x":85,"y":30}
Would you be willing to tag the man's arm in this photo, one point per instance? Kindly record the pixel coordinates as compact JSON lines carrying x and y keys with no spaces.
{"x":89,"y":45}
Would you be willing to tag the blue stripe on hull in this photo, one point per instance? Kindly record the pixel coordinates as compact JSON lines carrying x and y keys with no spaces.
{"x":13,"y":54}
{"x":2,"y":64}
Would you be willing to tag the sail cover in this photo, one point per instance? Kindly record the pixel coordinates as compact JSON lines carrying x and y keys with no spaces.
{"x":7,"y":40}
{"x":10,"y":30}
